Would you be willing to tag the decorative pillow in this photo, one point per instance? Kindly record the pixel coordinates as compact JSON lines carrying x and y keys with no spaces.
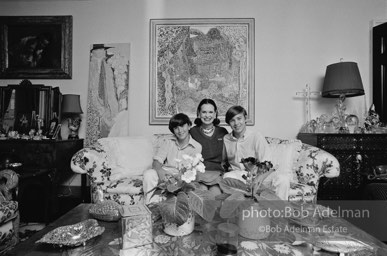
{"x":128,"y":156}
{"x":284,"y":155}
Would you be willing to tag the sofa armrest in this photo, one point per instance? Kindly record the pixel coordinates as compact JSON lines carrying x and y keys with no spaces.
{"x":314,"y":163}
{"x":8,"y":184}
{"x":93,"y":162}
{"x":330,"y":165}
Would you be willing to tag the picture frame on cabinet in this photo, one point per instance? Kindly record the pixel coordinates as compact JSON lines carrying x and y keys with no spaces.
{"x":193,"y":59}
{"x":36,"y":47}
{"x":56,"y":135}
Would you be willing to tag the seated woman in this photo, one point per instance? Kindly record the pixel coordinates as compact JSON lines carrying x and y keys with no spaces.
{"x":210,"y":136}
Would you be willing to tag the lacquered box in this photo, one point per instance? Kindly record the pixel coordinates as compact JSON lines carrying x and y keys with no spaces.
{"x":136,"y":226}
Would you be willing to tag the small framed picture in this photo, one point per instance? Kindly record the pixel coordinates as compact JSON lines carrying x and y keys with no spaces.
{"x":56,"y":133}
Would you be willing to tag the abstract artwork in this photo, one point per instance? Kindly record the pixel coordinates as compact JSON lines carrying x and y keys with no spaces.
{"x":107,"y":99}
{"x":193,"y":59}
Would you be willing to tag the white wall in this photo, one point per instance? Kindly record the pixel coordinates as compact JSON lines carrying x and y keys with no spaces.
{"x":294,"y":42}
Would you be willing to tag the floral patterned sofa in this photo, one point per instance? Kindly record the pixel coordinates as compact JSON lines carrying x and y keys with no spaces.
{"x":115,"y":166}
{"x":9,"y":212}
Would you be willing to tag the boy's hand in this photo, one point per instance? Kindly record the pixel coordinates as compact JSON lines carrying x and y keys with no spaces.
{"x":166,"y":172}
{"x":226,"y":167}
{"x":161,"y":172}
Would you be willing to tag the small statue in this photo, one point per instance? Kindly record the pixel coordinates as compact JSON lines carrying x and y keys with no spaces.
{"x":40,"y":122}
{"x":372,"y":120}
{"x":13,"y":134}
{"x":31,"y":133}
{"x":23,"y":125}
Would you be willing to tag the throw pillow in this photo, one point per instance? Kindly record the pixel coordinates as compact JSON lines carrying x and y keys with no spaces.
{"x":128,"y":156}
{"x":284,"y":155}
{"x":135,"y":154}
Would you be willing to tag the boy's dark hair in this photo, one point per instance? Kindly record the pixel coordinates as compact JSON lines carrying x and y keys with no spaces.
{"x":198,"y":121}
{"x":233,"y":111}
{"x":178,"y":120}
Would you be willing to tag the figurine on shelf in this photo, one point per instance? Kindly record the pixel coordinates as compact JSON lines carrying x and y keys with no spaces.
{"x":13,"y":135}
{"x":40,"y":123}
{"x":31,"y":133}
{"x":372,"y":120}
{"x":309,"y":127}
{"x":38,"y":135}
{"x":23,"y":124}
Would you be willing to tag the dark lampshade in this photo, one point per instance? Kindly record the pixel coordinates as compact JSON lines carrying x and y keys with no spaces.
{"x":71,"y":104}
{"x":342,"y":78}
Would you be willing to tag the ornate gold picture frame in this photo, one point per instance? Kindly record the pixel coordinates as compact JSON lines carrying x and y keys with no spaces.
{"x":36,"y":47}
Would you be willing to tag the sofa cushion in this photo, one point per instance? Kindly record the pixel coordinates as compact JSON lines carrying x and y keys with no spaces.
{"x":284,"y":155}
{"x":121,"y":198}
{"x":131,"y":185}
{"x":128,"y":156}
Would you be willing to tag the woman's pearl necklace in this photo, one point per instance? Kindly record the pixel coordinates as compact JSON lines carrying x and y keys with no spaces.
{"x":208,"y":131}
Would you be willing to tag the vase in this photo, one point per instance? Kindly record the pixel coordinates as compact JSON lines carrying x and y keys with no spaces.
{"x":186,"y":228}
{"x":352,"y":122}
{"x":254,"y":222}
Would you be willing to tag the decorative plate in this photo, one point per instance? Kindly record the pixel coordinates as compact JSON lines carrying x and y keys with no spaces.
{"x":310,"y":215}
{"x":305,"y":222}
{"x":73,"y":235}
{"x":342,"y":244}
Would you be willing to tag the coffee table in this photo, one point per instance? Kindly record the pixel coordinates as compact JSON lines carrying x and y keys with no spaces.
{"x":200,"y":242}
{"x":96,"y":246}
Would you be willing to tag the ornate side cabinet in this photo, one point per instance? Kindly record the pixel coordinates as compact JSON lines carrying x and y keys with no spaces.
{"x":45,"y":166}
{"x":358,"y":154}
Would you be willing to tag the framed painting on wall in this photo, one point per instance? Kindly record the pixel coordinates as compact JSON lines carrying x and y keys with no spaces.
{"x":36,"y":47}
{"x":193,"y":59}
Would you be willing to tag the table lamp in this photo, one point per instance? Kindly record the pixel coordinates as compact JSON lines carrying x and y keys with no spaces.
{"x":342,"y":80}
{"x":71,"y":107}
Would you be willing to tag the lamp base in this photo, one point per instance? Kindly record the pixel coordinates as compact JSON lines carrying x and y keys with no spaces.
{"x":73,"y":137}
{"x":73,"y":124}
{"x":340,"y":107}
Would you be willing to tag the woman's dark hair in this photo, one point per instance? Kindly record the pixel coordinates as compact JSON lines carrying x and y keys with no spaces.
{"x":233,"y":111}
{"x":178,"y":120}
{"x":198,"y":121}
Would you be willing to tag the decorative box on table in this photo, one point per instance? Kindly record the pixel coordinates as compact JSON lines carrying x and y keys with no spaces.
{"x":136,"y":226}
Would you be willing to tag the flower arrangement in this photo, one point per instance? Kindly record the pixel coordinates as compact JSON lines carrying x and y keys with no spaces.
{"x":182,"y":195}
{"x":239,"y":194}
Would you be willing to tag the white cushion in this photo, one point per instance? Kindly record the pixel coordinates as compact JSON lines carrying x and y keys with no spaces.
{"x":284,"y":155}
{"x":128,"y":156}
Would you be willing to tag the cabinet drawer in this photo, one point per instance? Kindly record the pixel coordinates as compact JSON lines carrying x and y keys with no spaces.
{"x":337,"y":143}
{"x":33,"y":155}
{"x":378,"y":143}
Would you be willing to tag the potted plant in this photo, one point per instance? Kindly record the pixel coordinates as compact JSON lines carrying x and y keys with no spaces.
{"x":183,"y":199}
{"x":251,"y":196}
